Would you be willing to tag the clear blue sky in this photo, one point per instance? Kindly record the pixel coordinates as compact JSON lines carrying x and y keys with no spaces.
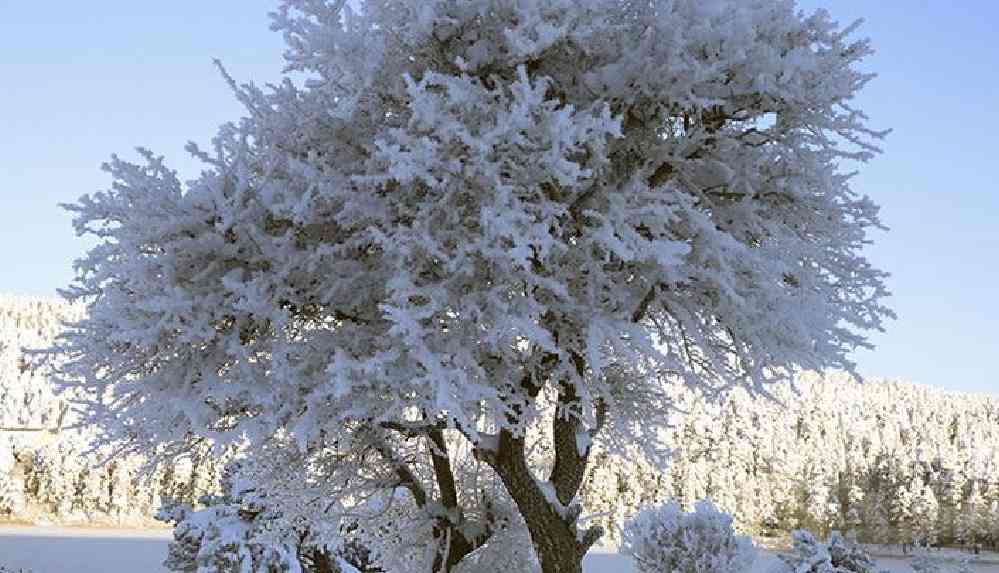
{"x":80,"y":80}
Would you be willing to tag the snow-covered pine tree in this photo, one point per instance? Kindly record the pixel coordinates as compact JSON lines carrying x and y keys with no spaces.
{"x":28,"y":401}
{"x":952,"y":486}
{"x":469,"y":206}
{"x":993,"y":523}
{"x":858,"y":453}
{"x":922,"y":523}
{"x":971,"y":525}
{"x":853,"y":520}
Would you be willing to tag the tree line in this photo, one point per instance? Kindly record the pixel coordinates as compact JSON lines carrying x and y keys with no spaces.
{"x":893,"y":462}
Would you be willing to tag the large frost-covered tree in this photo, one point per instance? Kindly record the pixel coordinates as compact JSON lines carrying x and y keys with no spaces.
{"x":469,"y":209}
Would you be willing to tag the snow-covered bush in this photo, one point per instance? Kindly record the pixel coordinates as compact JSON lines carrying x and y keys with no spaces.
{"x":503,"y":553}
{"x":665,"y":538}
{"x":11,"y":497}
{"x":11,"y":487}
{"x":239,"y":531}
{"x":8,"y":570}
{"x":271,"y":513}
{"x":926,"y":560}
{"x":837,"y":555}
{"x":226,"y":537}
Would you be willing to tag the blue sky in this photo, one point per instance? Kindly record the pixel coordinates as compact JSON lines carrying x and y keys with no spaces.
{"x":82,"y":80}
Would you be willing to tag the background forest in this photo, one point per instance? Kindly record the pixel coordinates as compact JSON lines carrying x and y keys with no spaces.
{"x":893,"y":462}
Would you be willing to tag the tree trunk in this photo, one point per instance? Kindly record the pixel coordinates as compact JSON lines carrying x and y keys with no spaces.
{"x":456,"y":548}
{"x":455,"y":545}
{"x":324,"y":562}
{"x":553,"y":534}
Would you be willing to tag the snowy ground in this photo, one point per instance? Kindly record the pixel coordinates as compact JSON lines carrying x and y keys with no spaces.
{"x":64,"y":550}
{"x":60,"y":550}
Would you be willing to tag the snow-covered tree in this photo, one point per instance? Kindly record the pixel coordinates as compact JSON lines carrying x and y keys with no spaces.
{"x":952,"y":486}
{"x":469,"y":207}
{"x":847,"y":452}
{"x":972,"y":523}
{"x":921,"y":525}
{"x":12,"y":498}
{"x":45,"y":471}
{"x":28,"y":401}
{"x":665,"y":538}
{"x":853,"y":519}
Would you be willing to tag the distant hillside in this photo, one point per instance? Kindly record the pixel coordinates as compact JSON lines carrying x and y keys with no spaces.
{"x":891,"y":461}
{"x":26,"y":396}
{"x":44,"y":471}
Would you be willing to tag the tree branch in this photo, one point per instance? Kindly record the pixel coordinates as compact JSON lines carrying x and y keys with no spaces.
{"x":407,"y":478}
{"x":660,"y":175}
{"x":442,"y":469}
{"x":570,"y":463}
{"x":643,"y":306}
{"x":413,"y":429}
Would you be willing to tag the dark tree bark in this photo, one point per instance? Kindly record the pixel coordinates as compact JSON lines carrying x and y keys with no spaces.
{"x":549,"y":508}
{"x":324,"y":562}
{"x":554,"y":533}
{"x":552,"y":523}
{"x":454,"y":546}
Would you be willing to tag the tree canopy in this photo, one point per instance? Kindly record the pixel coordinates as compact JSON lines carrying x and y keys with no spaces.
{"x":450,"y":213}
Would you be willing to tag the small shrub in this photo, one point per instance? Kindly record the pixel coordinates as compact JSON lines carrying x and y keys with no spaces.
{"x":665,"y":538}
{"x":926,"y":561}
{"x":238,"y":532}
{"x":838,"y":555}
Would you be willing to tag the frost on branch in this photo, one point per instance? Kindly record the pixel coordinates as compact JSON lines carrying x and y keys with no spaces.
{"x":467,"y":203}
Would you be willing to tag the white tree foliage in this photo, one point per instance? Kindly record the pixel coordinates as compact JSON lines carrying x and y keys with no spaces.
{"x":467,"y":205}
